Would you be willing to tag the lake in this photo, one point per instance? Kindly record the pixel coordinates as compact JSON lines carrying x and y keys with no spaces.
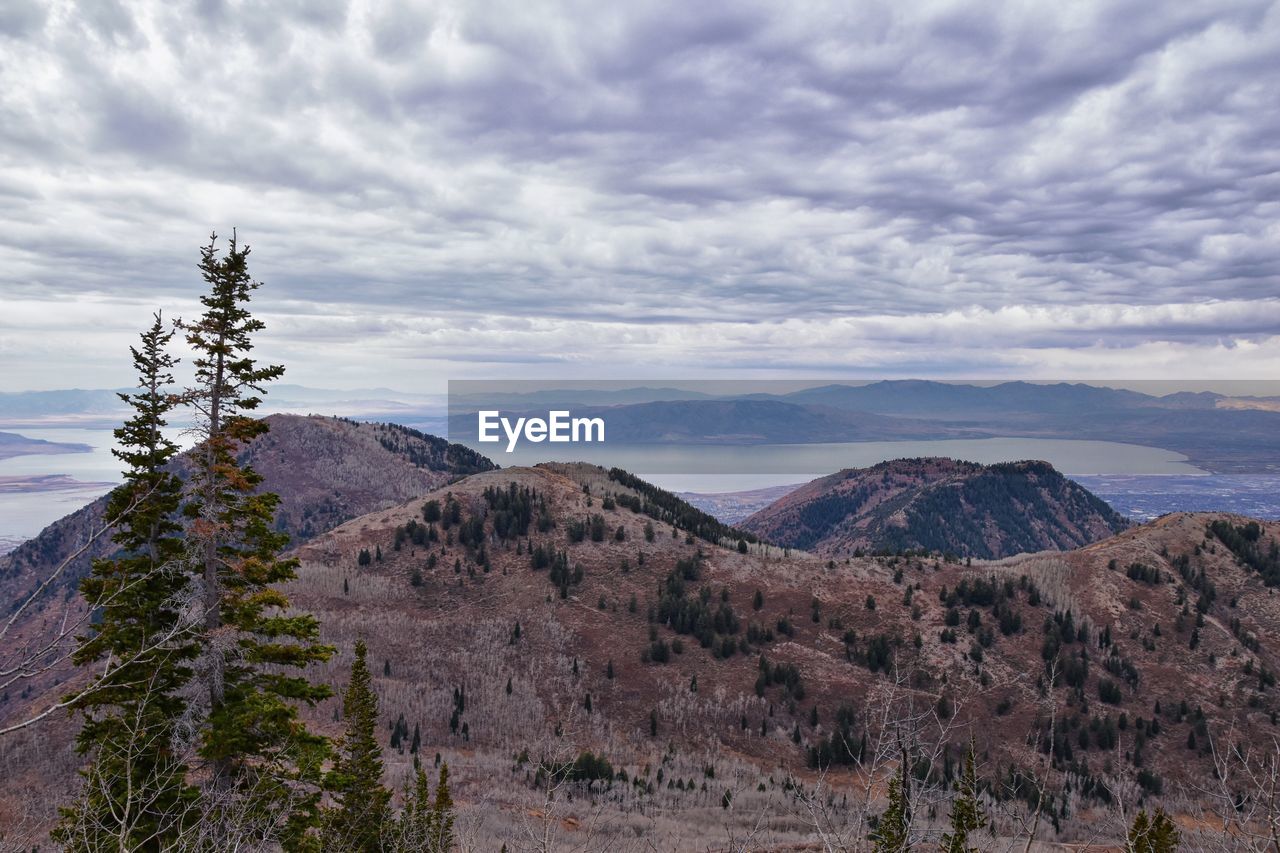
{"x":24,"y":514}
{"x":682,"y":468}
{"x":730,"y":468}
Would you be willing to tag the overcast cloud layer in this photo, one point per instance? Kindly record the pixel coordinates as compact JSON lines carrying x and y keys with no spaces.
{"x":433,"y":191}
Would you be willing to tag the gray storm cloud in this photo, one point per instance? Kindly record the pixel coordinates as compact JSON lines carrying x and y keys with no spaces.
{"x":538,"y":187}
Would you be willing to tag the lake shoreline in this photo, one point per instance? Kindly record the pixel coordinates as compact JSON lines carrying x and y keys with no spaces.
{"x":29,"y":484}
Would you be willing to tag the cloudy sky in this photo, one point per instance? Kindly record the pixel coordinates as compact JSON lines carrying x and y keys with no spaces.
{"x":538,"y":189}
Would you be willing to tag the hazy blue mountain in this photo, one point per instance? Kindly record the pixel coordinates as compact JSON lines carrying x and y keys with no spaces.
{"x":71,"y":401}
{"x":733,"y":422}
{"x":946,"y":400}
{"x":570,"y":396}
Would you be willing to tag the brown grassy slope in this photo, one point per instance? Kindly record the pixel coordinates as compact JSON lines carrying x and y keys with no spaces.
{"x":455,"y":631}
{"x":327,"y":470}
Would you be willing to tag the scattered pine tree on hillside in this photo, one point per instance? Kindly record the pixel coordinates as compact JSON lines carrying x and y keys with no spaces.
{"x":893,"y":831}
{"x":359,"y":821}
{"x":967,"y":815}
{"x":1156,"y":834}
{"x":426,"y":824}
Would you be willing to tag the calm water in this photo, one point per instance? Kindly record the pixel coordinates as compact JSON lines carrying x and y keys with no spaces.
{"x":24,"y":514}
{"x":96,"y":466}
{"x":684,"y":468}
{"x":713,"y":468}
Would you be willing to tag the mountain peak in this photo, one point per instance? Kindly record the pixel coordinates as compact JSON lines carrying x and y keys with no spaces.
{"x":939,"y":504}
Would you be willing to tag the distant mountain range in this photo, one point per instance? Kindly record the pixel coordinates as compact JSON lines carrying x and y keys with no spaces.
{"x":1216,"y":432}
{"x":923,"y":398}
{"x":911,"y":397}
{"x":1220,"y":433}
{"x":938,"y":505}
{"x":737,"y":421}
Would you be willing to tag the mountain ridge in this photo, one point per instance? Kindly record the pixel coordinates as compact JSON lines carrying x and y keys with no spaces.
{"x":939,"y":505}
{"x":320,"y":466}
{"x":738,"y":422}
{"x":451,"y":613}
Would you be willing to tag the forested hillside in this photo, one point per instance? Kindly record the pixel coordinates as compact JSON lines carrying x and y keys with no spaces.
{"x":938,"y":505}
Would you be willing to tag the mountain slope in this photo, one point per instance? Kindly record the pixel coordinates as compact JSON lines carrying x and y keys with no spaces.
{"x":540,"y":617}
{"x":652,"y":653}
{"x":326,"y":470}
{"x":939,"y":505}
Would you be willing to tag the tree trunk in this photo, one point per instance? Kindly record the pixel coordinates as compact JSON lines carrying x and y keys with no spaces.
{"x":212,"y":581}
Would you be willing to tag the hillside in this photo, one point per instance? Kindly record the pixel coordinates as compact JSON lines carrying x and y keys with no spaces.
{"x":734,"y":672}
{"x":533,"y":615}
{"x":938,"y":505}
{"x":326,"y":470}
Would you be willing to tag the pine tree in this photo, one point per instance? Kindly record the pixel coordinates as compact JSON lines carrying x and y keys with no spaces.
{"x":413,"y":829}
{"x":892,"y":833}
{"x":252,"y":735}
{"x":967,"y":815}
{"x":418,"y":803}
{"x":1165,"y":836}
{"x":135,"y":784}
{"x":1138,"y":834}
{"x":1156,"y":834}
{"x":442,"y":813}
{"x":426,"y":824}
{"x":358,"y":823}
